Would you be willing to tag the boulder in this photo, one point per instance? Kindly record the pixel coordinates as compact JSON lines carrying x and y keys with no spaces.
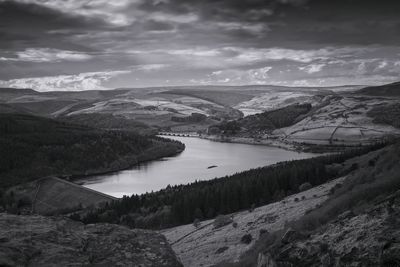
{"x":57,"y":241}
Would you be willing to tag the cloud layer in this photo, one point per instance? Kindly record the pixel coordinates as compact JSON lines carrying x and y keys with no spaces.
{"x":97,"y":44}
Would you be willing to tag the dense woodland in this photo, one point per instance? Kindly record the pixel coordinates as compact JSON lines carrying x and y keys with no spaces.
{"x":388,"y":114}
{"x":32,"y":147}
{"x":266,"y":121}
{"x":109,"y":121}
{"x":183,"y":204}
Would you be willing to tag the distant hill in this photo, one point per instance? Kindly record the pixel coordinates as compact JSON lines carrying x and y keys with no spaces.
{"x":392,"y":89}
{"x":109,"y":121}
{"x":7,"y":94}
{"x":134,"y":108}
{"x":7,"y":108}
{"x":19,"y":91}
{"x":266,"y":121}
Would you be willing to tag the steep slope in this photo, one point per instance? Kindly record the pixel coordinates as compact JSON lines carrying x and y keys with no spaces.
{"x":51,"y":195}
{"x":281,"y":233}
{"x":206,"y":244}
{"x":368,"y":239}
{"x":33,"y":147}
{"x":357,"y":226}
{"x":56,"y":241}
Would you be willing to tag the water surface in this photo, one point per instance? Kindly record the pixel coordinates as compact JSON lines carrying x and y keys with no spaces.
{"x":196,"y":162}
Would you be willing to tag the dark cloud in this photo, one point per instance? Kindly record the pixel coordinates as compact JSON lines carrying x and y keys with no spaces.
{"x":295,"y":22}
{"x":152,"y":25}
{"x":285,"y":39}
{"x":31,"y":25}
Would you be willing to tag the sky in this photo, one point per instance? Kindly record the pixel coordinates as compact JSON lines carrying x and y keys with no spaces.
{"x":99,"y":44}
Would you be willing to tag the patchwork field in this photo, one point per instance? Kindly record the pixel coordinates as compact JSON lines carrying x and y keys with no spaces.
{"x":340,"y":120}
{"x":153,"y":106}
{"x":339,"y":116}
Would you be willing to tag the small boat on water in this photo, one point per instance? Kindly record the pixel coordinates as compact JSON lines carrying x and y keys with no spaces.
{"x":212,"y":166}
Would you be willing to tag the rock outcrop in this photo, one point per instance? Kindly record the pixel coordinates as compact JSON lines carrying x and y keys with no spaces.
{"x":368,"y":239}
{"x":57,"y":241}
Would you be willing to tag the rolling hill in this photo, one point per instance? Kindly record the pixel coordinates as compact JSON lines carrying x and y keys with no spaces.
{"x":340,"y":116}
{"x":389,"y":90}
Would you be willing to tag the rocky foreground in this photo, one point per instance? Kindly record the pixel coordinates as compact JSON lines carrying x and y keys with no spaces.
{"x":57,"y":241}
{"x":368,"y":239}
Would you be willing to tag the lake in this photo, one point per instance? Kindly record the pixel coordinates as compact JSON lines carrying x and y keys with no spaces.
{"x":201,"y":160}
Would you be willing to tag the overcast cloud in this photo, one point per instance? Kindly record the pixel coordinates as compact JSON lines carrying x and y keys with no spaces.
{"x":99,"y":44}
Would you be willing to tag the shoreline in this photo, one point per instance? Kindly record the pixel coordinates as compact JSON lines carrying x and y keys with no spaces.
{"x":290,"y":146}
{"x":251,"y":141}
{"x":127,"y":163}
{"x":130,"y":162}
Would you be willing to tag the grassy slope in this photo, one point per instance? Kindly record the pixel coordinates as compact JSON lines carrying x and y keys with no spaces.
{"x":392,"y":89}
{"x":230,"y":98}
{"x":375,"y":176}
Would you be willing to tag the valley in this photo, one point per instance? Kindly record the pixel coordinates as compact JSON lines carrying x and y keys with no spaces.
{"x":330,"y":223}
{"x":229,"y":133}
{"x":192,"y":164}
{"x":337,"y":117}
{"x":308,"y":155}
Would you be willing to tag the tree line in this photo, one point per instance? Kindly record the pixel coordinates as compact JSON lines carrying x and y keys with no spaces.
{"x":182,"y":204}
{"x":33,"y":147}
{"x":265,"y":121}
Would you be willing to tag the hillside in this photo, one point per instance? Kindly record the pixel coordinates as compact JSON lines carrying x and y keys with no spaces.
{"x":351,"y":220}
{"x":33,"y":147}
{"x":339,"y":116}
{"x":6,"y":108}
{"x":265,"y":122}
{"x":369,"y":238}
{"x":50,"y":196}
{"x":358,"y":225}
{"x":109,"y":121}
{"x":207,"y":243}
{"x":388,"y":90}
{"x":56,"y":241}
{"x":336,"y":119}
{"x":154,"y":107}
{"x":386,"y":114}
{"x":182,"y":204}
{"x":158,"y":107}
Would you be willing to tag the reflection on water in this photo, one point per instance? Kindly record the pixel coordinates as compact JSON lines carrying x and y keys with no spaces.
{"x":192,"y":164}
